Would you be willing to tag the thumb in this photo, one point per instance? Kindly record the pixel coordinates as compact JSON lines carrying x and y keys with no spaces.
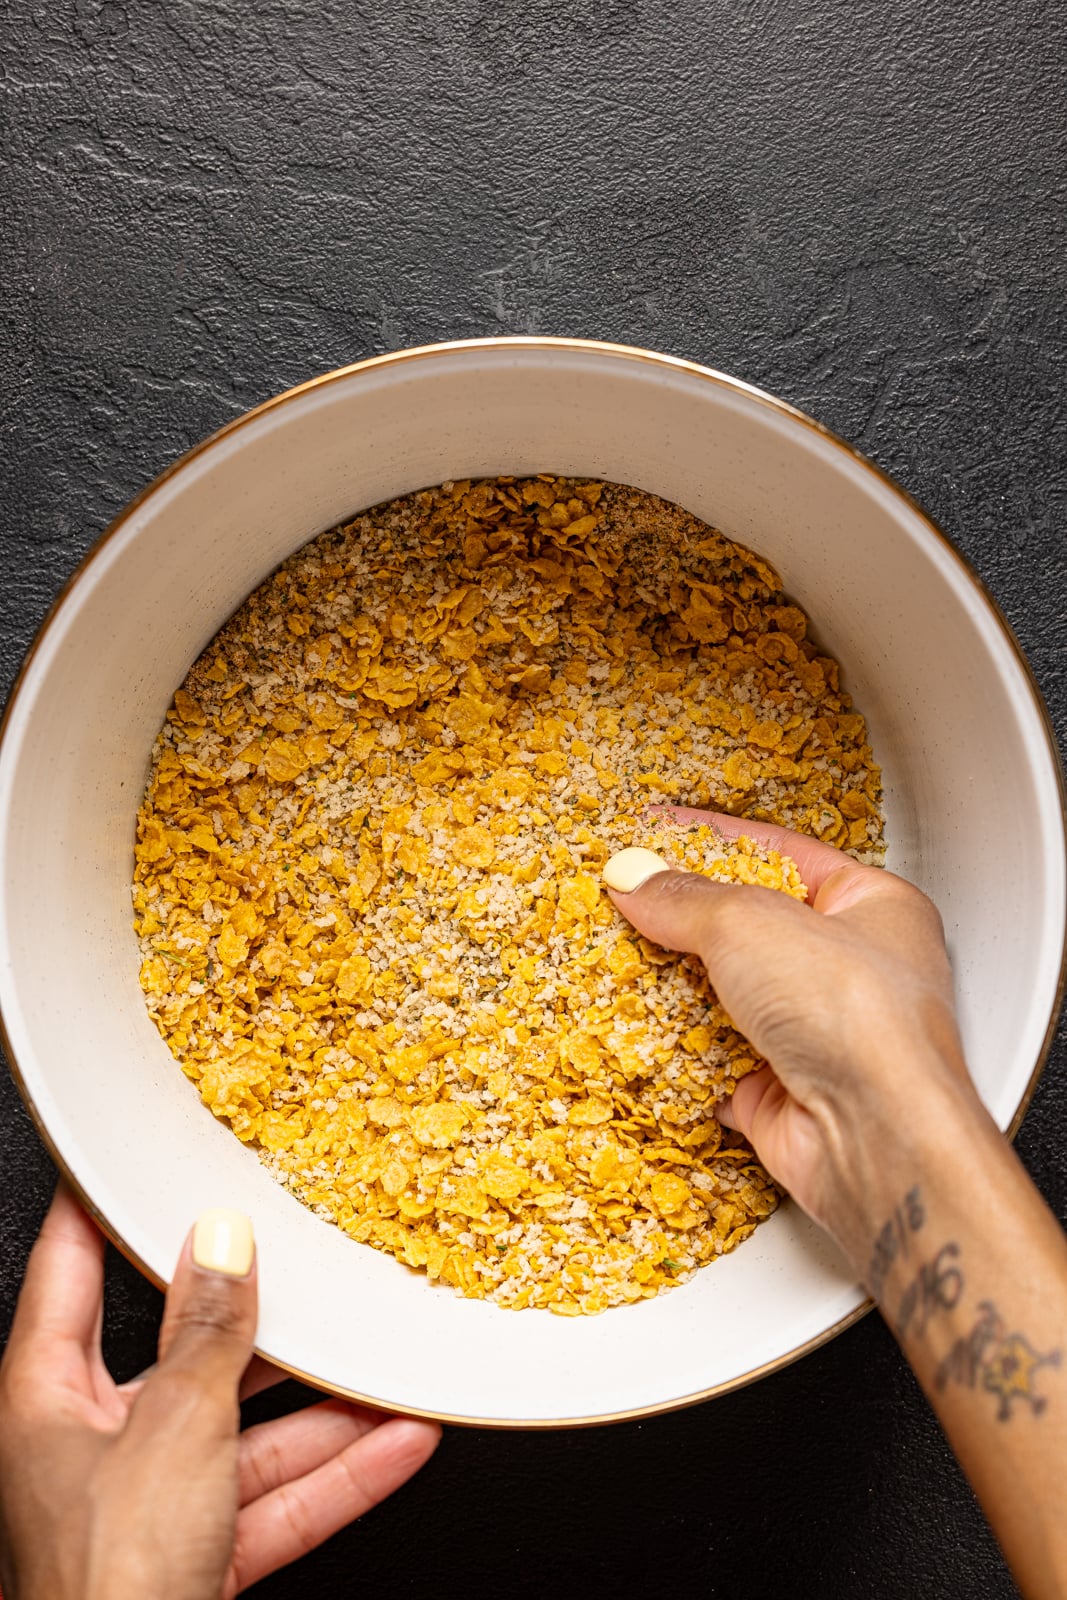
{"x":757,"y":1093}
{"x":209,"y":1321}
{"x":678,"y":910}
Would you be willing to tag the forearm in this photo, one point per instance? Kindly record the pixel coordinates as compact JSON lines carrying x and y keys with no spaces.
{"x":969,"y":1269}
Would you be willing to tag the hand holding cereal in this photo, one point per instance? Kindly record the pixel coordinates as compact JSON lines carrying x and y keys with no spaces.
{"x":860,"y":971}
{"x":865,"y":1112}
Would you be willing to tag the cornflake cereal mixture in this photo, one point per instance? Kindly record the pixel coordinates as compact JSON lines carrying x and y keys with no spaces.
{"x":368,"y":876}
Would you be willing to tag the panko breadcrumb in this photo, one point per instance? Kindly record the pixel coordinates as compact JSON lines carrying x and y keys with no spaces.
{"x":368,"y":890}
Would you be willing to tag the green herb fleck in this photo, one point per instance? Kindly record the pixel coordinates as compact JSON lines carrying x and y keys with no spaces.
{"x":171,"y":956}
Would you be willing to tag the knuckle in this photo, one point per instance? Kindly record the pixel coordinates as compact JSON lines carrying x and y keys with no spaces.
{"x":933,"y":916}
{"x":848,"y":871}
{"x":912,"y":905}
{"x":681,"y":896}
{"x":213,"y":1310}
{"x":305,"y":1536}
{"x":262,"y":1467}
{"x":904,"y":893}
{"x":362,"y":1490}
{"x":183,"y":1394}
{"x":678,"y":885}
{"x":184,"y":1385}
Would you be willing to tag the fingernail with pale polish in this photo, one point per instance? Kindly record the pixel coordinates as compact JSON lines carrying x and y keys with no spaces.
{"x":629,"y":869}
{"x":223,"y":1242}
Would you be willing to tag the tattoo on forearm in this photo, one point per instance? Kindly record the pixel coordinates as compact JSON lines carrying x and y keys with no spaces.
{"x":894,"y":1240}
{"x":936,"y":1286}
{"x":1002,"y":1362}
{"x":987,"y":1356}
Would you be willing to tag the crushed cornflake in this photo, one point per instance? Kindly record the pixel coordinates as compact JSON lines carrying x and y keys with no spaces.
{"x":368,"y":887}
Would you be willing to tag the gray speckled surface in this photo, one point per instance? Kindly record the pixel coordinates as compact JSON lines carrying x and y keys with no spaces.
{"x":856,"y":206}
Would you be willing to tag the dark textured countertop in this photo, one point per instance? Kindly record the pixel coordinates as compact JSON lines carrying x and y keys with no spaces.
{"x":857,"y":206}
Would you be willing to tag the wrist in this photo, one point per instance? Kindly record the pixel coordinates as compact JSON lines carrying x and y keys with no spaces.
{"x":913,"y":1122}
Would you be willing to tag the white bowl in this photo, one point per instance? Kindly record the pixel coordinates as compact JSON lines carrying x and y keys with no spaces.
{"x":973,"y":801}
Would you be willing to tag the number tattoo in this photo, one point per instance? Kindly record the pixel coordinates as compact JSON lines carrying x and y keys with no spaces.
{"x":937,"y":1286}
{"x":894,"y":1240}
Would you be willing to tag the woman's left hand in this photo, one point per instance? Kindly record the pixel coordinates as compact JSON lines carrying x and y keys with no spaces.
{"x":111,"y":1492}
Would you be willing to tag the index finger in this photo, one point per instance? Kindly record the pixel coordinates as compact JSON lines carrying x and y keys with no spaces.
{"x":63,"y":1289}
{"x":816,"y":861}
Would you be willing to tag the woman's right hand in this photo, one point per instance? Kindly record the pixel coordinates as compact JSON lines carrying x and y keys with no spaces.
{"x":867,"y":1115}
{"x":848,"y":997}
